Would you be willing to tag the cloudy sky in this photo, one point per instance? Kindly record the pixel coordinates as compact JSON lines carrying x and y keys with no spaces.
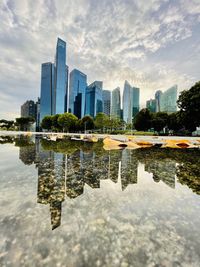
{"x":153,"y":44}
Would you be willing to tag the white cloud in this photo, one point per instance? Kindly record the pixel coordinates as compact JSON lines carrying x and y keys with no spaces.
{"x":108,"y":40}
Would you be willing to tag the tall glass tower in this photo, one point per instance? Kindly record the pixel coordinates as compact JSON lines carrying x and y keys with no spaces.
{"x":158,"y":95}
{"x":135,"y":92}
{"x":47,"y":89}
{"x":94,"y":103}
{"x":106,"y":96}
{"x":131,"y":98}
{"x":61,"y":81}
{"x":116,"y":103}
{"x":77,"y":91}
{"x":127,"y":111}
{"x":168,"y":100}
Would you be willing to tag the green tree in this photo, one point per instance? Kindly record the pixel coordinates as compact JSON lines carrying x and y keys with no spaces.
{"x":101,"y":120}
{"x":174,"y":121}
{"x":6,"y":124}
{"x":87,"y":123}
{"x":159,"y":121}
{"x":189,"y":104}
{"x":55,"y":125}
{"x":68,"y":121}
{"x":47,"y":122}
{"x":142,"y":121}
{"x":24,"y":123}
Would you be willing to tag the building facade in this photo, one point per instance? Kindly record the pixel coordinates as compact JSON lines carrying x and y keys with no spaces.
{"x":77,"y":92}
{"x":61,"y":79}
{"x":151,"y":105}
{"x":106,"y":97}
{"x":168,"y":100}
{"x":47,"y":90}
{"x":158,"y":95}
{"x":28,"y":109}
{"x":94,"y":102}
{"x":116,"y":103}
{"x":131,"y":98}
{"x":135,"y":101}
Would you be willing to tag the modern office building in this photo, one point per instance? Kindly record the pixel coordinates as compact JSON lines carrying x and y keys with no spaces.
{"x":61,"y":79}
{"x":106,"y":97}
{"x":158,"y":95}
{"x":131,"y":97}
{"x":135,"y":100}
{"x":151,"y":105}
{"x":168,"y":100}
{"x":38,"y":114}
{"x":47,"y":90}
{"x":54,"y":83}
{"x":28,"y":109}
{"x":94,"y":102}
{"x":77,"y":92}
{"x":116,"y":103}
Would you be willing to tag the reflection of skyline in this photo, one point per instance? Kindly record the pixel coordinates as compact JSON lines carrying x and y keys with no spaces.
{"x":64,"y":175}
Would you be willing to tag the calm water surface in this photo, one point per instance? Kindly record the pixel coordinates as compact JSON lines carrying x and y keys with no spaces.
{"x":73,"y":204}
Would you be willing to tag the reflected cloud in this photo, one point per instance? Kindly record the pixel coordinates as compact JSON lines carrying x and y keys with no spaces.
{"x":64,"y":168}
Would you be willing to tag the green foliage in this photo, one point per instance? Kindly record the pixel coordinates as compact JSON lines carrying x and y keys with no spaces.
{"x":159,"y":121}
{"x":189,"y":104}
{"x":86,"y":123}
{"x":142,"y":121}
{"x":174,"y":121}
{"x":6,"y":124}
{"x":55,"y":126}
{"x":47,"y":122}
{"x":101,"y":120}
{"x":68,"y":121}
{"x":24,"y":122}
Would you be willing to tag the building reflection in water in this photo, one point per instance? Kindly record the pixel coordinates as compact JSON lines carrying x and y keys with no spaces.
{"x":64,"y":175}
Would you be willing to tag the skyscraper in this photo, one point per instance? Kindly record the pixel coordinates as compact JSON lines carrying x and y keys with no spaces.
{"x":77,"y":91}
{"x":54,"y":83}
{"x":116,"y":103}
{"x":151,"y":105}
{"x":127,"y":113}
{"x":94,"y":103}
{"x":28,"y":109}
{"x":158,"y":95}
{"x":135,"y":100}
{"x":47,"y":90}
{"x":61,"y":79}
{"x":168,"y":100}
{"x":130,"y":102}
{"x":106,"y":96}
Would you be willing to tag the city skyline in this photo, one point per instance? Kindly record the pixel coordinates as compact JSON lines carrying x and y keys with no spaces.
{"x":152,"y":45}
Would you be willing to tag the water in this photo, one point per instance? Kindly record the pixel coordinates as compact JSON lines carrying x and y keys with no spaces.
{"x":75,"y":204}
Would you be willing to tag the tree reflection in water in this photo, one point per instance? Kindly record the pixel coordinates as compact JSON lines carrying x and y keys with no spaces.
{"x":64,"y":167}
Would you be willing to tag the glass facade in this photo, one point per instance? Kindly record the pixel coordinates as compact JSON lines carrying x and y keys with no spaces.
{"x":157,"y":98}
{"x":127,"y":113}
{"x":116,"y":103}
{"x":151,"y":105}
{"x":47,"y":89}
{"x":135,"y":93}
{"x":28,"y":109}
{"x":168,"y":100}
{"x":131,"y":98}
{"x":61,"y":79}
{"x":77,"y":91}
{"x":94,"y":103}
{"x":106,"y":96}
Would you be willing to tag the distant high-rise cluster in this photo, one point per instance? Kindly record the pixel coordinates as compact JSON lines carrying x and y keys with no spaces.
{"x":62,"y":91}
{"x":164,"y":101}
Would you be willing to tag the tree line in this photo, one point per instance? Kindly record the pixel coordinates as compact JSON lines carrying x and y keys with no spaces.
{"x":183,"y":121}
